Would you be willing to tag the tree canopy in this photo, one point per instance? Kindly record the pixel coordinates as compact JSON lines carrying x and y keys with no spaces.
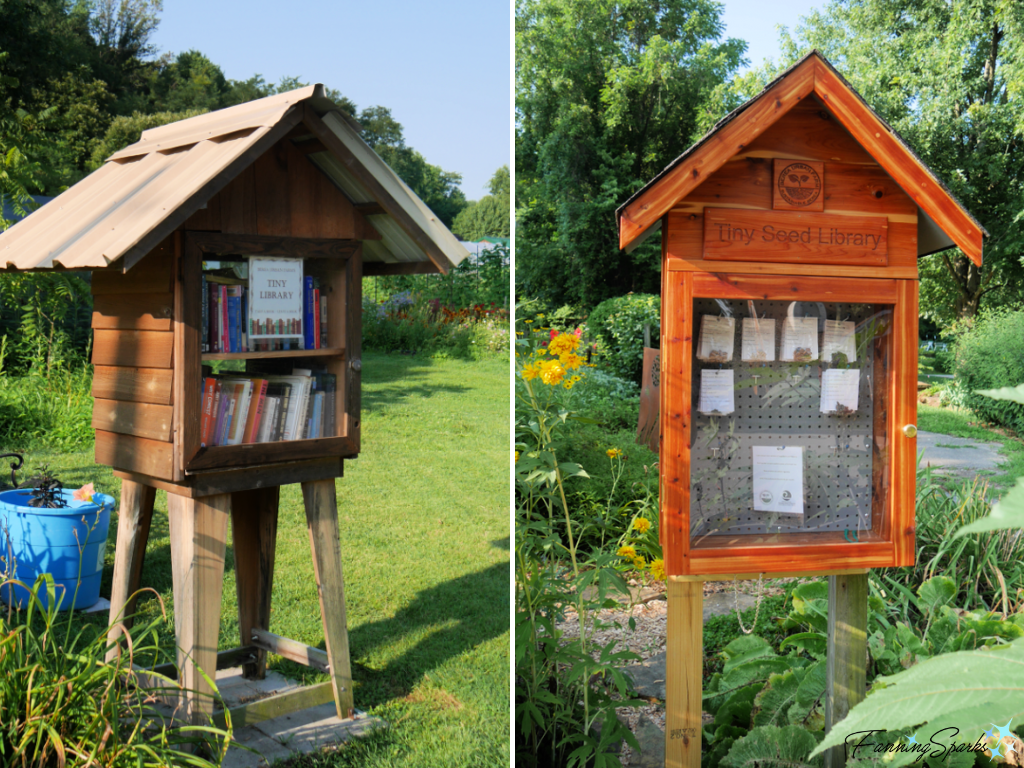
{"x":490,"y":216}
{"x":607,"y":93}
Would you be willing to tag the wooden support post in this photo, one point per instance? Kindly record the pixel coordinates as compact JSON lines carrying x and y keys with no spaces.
{"x":847,"y":653}
{"x":199,"y":529}
{"x":685,"y":671}
{"x":254,"y":537}
{"x":322,"y":519}
{"x":133,"y":521}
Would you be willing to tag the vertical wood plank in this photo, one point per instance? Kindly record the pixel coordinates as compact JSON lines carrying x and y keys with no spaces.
{"x":302,"y":193}
{"x":198,"y":529}
{"x":353,"y":336}
{"x":904,"y":402}
{"x":187,"y":355}
{"x":684,"y":674}
{"x":273,"y":211}
{"x":133,"y":520}
{"x":254,"y":537}
{"x":238,"y":204}
{"x":846,"y":667}
{"x":677,"y":304}
{"x":322,"y":519}
{"x":881,"y":453}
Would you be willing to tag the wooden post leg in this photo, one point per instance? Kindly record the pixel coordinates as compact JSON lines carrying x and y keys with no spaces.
{"x":133,"y":521}
{"x":684,"y":674}
{"x":846,"y":673}
{"x":199,"y":528}
{"x":254,"y":536}
{"x":322,"y":519}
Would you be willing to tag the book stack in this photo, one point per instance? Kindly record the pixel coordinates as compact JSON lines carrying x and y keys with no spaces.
{"x":258,"y":408}
{"x":314,"y":315}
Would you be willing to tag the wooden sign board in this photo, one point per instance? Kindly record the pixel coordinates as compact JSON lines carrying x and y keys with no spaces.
{"x":732,"y":234}
{"x":798,"y":185}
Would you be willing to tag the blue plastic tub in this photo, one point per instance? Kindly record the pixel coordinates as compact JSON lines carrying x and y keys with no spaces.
{"x":68,"y":543}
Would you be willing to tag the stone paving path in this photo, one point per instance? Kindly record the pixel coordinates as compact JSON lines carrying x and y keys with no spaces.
{"x":959,"y":456}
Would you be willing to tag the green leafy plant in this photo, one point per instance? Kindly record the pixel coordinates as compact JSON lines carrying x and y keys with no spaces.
{"x":619,"y":325}
{"x":62,"y":704}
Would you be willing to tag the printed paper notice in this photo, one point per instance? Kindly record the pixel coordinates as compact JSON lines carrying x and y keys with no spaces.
{"x":799,"y":340}
{"x":758,"y":340}
{"x":839,"y":338}
{"x":779,"y":479}
{"x":840,"y":389}
{"x":717,"y":339}
{"x":716,"y":392}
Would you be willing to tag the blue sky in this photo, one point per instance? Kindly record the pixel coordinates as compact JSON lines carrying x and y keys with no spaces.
{"x":756,"y":21}
{"x":443,"y":68}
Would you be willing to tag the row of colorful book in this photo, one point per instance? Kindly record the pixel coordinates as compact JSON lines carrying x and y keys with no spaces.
{"x":257,"y":408}
{"x":228,"y":327}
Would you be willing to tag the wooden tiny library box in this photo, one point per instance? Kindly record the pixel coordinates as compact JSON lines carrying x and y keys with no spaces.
{"x":789,"y":332}
{"x":228,"y":252}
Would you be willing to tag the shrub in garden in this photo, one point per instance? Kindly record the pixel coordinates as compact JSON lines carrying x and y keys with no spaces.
{"x":404,"y":322}
{"x":619,"y":326}
{"x":556,"y":703}
{"x":990,"y":355}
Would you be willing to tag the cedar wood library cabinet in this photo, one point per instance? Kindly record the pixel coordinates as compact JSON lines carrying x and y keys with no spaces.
{"x":789,"y":328}
{"x":286,"y":176}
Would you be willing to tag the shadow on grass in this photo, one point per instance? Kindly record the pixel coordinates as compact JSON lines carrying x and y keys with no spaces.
{"x":392,"y":378}
{"x":470,"y":610}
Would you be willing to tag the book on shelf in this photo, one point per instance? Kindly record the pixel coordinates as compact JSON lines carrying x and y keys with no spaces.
{"x":275,"y":308}
{"x":239,"y":408}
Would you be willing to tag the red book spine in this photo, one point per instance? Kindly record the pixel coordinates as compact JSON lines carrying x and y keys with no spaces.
{"x":316,"y":318}
{"x":205,"y":425}
{"x":260,"y":400}
{"x":215,"y":413}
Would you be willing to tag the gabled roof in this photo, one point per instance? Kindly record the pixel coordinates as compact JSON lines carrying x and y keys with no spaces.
{"x":145,"y":191}
{"x":813,"y":74}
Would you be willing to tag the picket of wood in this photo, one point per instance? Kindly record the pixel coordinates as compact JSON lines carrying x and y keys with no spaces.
{"x":802,"y":203}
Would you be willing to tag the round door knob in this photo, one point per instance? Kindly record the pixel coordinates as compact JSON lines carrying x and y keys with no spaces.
{"x":910,"y":430}
{"x":356,"y":365}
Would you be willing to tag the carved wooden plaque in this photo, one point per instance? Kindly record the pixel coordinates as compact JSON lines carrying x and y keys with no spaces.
{"x":798,"y":185}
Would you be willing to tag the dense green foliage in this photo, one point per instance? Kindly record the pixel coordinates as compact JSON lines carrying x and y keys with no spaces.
{"x":490,"y":216}
{"x":948,"y":76}
{"x":989,"y":355}
{"x":606,"y":95}
{"x":618,"y":324}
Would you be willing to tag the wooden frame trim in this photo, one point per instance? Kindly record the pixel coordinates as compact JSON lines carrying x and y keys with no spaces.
{"x":751,"y":576}
{"x":718,"y":148}
{"x":381,"y":196}
{"x":914,"y":178}
{"x":716,"y":285}
{"x":289,"y":247}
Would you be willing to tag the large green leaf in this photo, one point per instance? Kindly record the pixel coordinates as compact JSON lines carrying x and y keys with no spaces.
{"x":1007,"y":513}
{"x":968,"y":690}
{"x":771,"y":747}
{"x":1016,"y":394}
{"x":777,"y":697}
{"x":808,"y":710}
{"x":936,"y":592}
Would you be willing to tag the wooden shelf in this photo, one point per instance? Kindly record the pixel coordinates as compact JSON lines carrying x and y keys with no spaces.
{"x":326,"y":352}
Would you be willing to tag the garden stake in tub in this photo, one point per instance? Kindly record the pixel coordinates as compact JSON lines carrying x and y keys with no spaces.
{"x":237,"y":238}
{"x":790,"y":239}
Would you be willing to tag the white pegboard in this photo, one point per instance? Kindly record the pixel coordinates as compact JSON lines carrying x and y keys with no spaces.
{"x":785,"y":411}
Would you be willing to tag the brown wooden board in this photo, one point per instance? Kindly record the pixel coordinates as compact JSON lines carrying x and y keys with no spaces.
{"x":808,"y":132}
{"x":674,"y":464}
{"x":257,"y":245}
{"x":798,"y":185}
{"x":252,"y":454}
{"x":254,"y":541}
{"x":135,"y":454}
{"x":273,"y":209}
{"x":145,"y":349}
{"x":152,"y":274}
{"x":238,"y":204}
{"x":212,"y":483}
{"x":904,"y":412}
{"x":127,"y":418}
{"x":793,"y":287}
{"x":134,"y":311}
{"x":140,"y":385}
{"x":732,"y":234}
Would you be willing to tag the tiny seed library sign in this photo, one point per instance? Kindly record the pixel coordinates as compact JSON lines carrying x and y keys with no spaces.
{"x":275,"y":291}
{"x":788,"y":236}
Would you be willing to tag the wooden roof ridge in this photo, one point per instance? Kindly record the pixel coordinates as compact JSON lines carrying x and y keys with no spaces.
{"x":813,"y":74}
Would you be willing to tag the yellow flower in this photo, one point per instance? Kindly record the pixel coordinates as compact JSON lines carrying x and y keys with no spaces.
{"x":571,"y":360}
{"x":517,"y":455}
{"x":563,"y":343}
{"x":640,"y":525}
{"x":639,"y":563}
{"x":658,"y":569}
{"x":540,"y":316}
{"x":531,"y":371}
{"x":613,"y":453}
{"x":551,"y":372}
{"x":527,"y":321}
{"x":629,"y":552}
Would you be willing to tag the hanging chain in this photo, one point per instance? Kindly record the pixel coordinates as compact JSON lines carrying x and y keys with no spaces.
{"x":757,"y":605}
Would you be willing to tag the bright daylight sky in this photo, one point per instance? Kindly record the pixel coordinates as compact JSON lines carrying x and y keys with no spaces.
{"x":756,"y":20}
{"x":443,"y":67}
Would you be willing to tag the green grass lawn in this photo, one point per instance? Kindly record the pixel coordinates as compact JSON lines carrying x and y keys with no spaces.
{"x":425,"y":536}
